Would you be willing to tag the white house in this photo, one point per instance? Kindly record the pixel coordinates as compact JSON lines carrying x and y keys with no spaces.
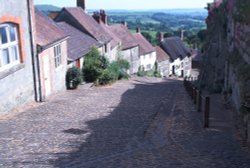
{"x":163,"y":61}
{"x":129,"y":47}
{"x":147,"y":52}
{"x":180,"y":56}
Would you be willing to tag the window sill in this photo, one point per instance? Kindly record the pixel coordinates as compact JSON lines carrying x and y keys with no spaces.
{"x":11,"y":70}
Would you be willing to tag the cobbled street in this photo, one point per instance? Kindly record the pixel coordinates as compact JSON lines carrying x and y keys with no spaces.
{"x":139,"y":123}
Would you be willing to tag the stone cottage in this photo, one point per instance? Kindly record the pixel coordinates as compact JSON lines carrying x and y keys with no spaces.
{"x":115,"y":44}
{"x":16,"y":54}
{"x":78,"y":18}
{"x":180,"y":56}
{"x":163,"y":61}
{"x":79,"y":44}
{"x":147,"y":52}
{"x":129,"y":47}
{"x":51,"y":44}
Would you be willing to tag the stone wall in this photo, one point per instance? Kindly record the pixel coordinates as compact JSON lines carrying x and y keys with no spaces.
{"x":16,"y":82}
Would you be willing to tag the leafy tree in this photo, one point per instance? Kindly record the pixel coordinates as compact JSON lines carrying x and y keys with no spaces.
{"x":148,"y":36}
{"x":93,"y":65}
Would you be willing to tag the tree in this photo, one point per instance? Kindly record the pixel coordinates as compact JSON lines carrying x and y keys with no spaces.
{"x":147,"y":36}
{"x":93,"y":65}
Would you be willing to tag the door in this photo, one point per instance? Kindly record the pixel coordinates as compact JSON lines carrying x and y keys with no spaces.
{"x":46,"y":75}
{"x":173,"y":70}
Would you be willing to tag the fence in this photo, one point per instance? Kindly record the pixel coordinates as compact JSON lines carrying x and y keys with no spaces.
{"x":202,"y":102}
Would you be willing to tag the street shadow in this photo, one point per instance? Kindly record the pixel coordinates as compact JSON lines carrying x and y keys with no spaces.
{"x":112,"y":136}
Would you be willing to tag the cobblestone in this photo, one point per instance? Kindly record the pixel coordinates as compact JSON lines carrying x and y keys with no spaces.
{"x":142,"y":122}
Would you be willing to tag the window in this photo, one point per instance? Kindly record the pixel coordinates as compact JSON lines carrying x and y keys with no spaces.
{"x":149,"y":66}
{"x":58,"y":55}
{"x":105,"y":48}
{"x":9,"y":45}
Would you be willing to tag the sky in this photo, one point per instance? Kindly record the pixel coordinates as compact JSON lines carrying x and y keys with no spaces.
{"x":130,"y":4}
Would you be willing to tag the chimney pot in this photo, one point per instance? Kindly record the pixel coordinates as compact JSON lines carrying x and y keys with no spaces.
{"x":125,"y":23}
{"x":104,"y":17}
{"x":161,"y":37}
{"x":97,"y":17}
{"x":81,"y":3}
{"x":138,"y":29}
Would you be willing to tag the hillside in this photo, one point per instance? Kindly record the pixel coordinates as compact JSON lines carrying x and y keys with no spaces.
{"x":47,"y":8}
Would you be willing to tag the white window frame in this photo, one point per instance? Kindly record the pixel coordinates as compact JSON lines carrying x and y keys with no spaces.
{"x":58,"y":55}
{"x":8,"y":46}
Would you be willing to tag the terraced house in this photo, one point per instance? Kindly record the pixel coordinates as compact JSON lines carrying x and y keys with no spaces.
{"x":17,"y":61}
{"x":78,"y":18}
{"x":180,"y":56}
{"x":52,"y":56}
{"x":147,"y":52}
{"x":79,"y":44}
{"x":129,"y":46}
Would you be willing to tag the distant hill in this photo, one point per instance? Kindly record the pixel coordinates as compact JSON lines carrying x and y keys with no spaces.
{"x":47,"y":8}
{"x":195,"y":11}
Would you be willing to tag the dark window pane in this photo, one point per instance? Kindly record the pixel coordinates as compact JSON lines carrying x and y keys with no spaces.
{"x":12,"y":33}
{"x":3,"y":35}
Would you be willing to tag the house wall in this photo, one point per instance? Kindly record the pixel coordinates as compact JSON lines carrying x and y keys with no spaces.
{"x":16,"y":82}
{"x":132,"y":56}
{"x":57,"y":75}
{"x":148,"y":61}
{"x":76,"y":63}
{"x":115,"y":52}
{"x":177,"y":67}
{"x":164,"y":68}
{"x":187,"y":66}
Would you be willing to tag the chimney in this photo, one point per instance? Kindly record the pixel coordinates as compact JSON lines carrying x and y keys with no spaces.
{"x":97,"y":17}
{"x":81,"y":3}
{"x":125,"y":23}
{"x":182,"y":35}
{"x":161,"y":36}
{"x":138,"y":29}
{"x":104,"y":17}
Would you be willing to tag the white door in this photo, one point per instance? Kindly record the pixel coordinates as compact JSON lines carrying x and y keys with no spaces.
{"x":46,"y":72}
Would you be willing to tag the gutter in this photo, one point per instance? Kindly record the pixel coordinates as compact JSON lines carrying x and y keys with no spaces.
{"x":34,"y":58}
{"x":42,"y":48}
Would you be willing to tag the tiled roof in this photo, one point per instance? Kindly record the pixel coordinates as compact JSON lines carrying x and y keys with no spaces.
{"x":79,"y":43}
{"x":115,"y":40}
{"x":175,"y":48}
{"x":89,"y":24}
{"x":47,"y":32}
{"x":121,"y":31}
{"x":161,"y":54}
{"x":144,"y":46}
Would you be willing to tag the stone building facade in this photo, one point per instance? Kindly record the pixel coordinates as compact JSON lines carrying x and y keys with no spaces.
{"x":16,"y":60}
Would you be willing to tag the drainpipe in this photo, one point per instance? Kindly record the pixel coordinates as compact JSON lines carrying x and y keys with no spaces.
{"x":34,"y":56}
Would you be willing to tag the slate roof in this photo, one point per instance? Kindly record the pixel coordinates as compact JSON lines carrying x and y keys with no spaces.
{"x":79,"y":43}
{"x":86,"y":22}
{"x":161,"y":55}
{"x":175,"y":48}
{"x":47,"y":32}
{"x":144,"y":46}
{"x":122,"y":32}
{"x":115,"y":40}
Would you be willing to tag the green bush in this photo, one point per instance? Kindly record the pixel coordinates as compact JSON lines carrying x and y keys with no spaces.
{"x":93,"y":65}
{"x":107,"y":77}
{"x":141,"y":72}
{"x":73,"y":78}
{"x":115,"y":71}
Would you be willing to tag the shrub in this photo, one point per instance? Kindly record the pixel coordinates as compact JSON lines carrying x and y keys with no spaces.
{"x":107,"y":77}
{"x":93,"y":65}
{"x":73,"y":78}
{"x":141,"y":72}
